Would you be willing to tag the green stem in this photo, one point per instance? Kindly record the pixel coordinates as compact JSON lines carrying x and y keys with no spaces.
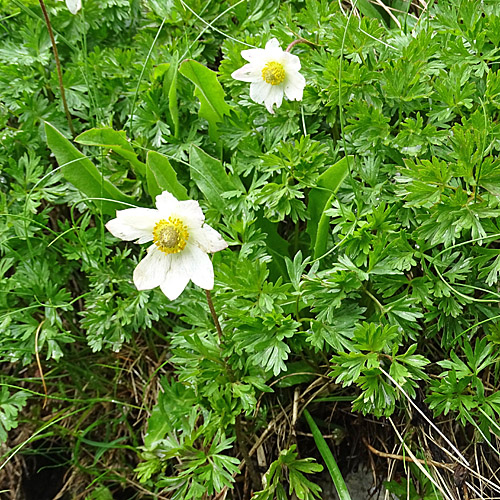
{"x":379,"y":305}
{"x":58,"y":66}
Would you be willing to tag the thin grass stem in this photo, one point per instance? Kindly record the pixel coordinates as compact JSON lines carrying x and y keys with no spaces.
{"x":58,"y":67}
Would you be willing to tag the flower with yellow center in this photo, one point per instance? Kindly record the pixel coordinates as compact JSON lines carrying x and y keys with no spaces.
{"x":272,"y":73}
{"x":181,"y":242}
{"x":170,"y":236}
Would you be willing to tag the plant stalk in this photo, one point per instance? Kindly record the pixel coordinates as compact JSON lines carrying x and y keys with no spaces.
{"x":228,"y":368}
{"x":214,"y":314}
{"x":295,"y":42}
{"x":240,"y":436}
{"x":58,"y":66}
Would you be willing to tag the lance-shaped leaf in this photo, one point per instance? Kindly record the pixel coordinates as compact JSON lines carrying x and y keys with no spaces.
{"x":210,"y":176}
{"x":161,"y":176}
{"x":168,"y":71}
{"x":369,"y":10}
{"x":210,"y":93}
{"x":113,"y":139}
{"x":320,"y":199}
{"x":82,"y":173}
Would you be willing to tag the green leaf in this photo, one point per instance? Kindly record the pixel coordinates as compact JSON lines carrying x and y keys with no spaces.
{"x":400,"y":9}
{"x":289,"y":465}
{"x":101,"y":493}
{"x":210,"y":93}
{"x":159,"y":424}
{"x":170,"y":83}
{"x":161,"y":176}
{"x":298,"y":372}
{"x":83,"y":174}
{"x":327,"y":455}
{"x":168,"y":72}
{"x":276,"y":246}
{"x":10,"y":405}
{"x":210,"y":176}
{"x":160,"y":70}
{"x":114,"y":139}
{"x":369,"y":10}
{"x":320,"y":199}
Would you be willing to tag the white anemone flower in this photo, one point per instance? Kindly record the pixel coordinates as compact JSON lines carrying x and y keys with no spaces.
{"x":181,"y":242}
{"x":74,"y":5}
{"x":271,"y":72}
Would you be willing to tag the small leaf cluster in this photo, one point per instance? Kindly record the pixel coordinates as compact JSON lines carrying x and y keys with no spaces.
{"x":173,"y":432}
{"x":375,"y":366}
{"x":295,"y":468}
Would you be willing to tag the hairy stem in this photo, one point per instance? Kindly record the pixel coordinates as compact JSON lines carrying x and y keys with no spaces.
{"x":58,"y":66}
{"x":295,"y":42}
{"x":214,"y":314}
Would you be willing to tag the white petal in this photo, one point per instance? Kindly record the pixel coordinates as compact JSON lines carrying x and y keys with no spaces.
{"x":294,"y":87}
{"x":190,"y":213}
{"x":74,"y":5}
{"x":252,"y":54}
{"x":151,"y":271}
{"x":199,"y":267}
{"x":248,"y":73}
{"x":176,"y":279}
{"x":208,"y":239}
{"x":273,"y":44}
{"x":165,"y":203}
{"x":274,"y":52}
{"x":275,"y":97}
{"x":291,"y":62}
{"x":259,"y":91}
{"x":134,"y":224}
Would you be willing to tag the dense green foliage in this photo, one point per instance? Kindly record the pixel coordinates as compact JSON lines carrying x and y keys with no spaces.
{"x":362,"y":225}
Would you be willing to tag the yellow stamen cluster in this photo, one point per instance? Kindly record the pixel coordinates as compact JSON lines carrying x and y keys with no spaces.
{"x":273,"y":73}
{"x":171,"y":235}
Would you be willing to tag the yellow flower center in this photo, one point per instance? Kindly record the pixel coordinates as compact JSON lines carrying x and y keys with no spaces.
{"x":273,"y":73}
{"x":171,"y":235}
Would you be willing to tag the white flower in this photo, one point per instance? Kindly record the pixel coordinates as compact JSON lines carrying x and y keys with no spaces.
{"x":181,"y":241}
{"x":271,"y":72}
{"x":74,"y":5}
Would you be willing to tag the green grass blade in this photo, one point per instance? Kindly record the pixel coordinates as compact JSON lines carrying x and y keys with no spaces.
{"x":330,"y":462}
